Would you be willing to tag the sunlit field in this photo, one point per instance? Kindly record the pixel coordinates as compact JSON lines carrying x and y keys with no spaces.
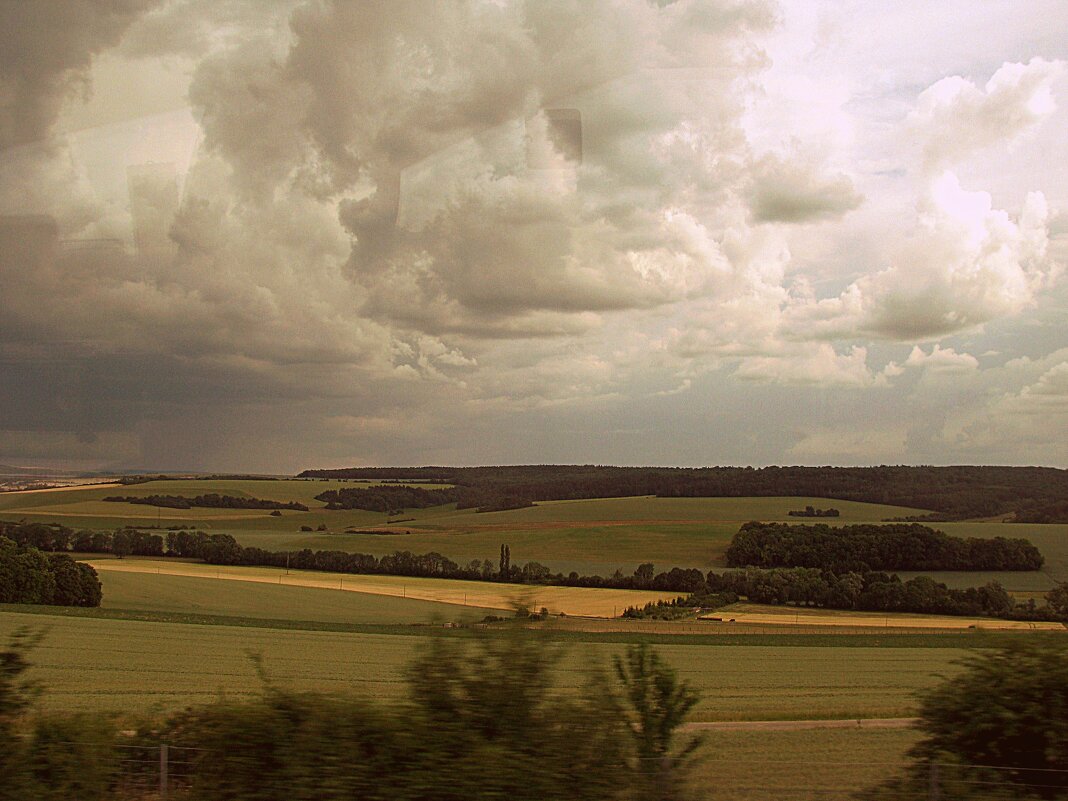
{"x":188,"y":595}
{"x":757,"y":614}
{"x":481,"y":594}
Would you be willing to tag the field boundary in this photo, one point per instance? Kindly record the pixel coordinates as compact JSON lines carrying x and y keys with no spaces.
{"x":801,"y":725}
{"x":490,"y":596}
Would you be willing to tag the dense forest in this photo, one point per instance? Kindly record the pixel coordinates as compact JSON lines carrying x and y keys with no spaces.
{"x":951,"y":492}
{"x":387,"y":499}
{"x":28,"y":576}
{"x":894,"y":546}
{"x":1054,"y":512}
{"x":209,"y":501}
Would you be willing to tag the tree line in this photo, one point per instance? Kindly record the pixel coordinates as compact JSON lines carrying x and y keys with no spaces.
{"x":387,"y":499}
{"x":28,"y":576}
{"x":862,"y":590}
{"x":952,"y":492}
{"x":210,"y":500}
{"x":870,"y":591}
{"x":1053,"y":512}
{"x":810,"y":511}
{"x":56,"y":537}
{"x":894,"y":546}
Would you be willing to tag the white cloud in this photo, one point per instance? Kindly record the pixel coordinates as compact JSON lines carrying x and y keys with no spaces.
{"x":846,"y":445}
{"x":1046,"y":398}
{"x":942,"y":361}
{"x":820,"y":365}
{"x":954,"y":117}
{"x":967,"y":264}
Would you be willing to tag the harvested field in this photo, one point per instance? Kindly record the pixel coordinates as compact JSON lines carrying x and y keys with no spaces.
{"x":187,"y":595}
{"x":811,"y":765}
{"x":755,"y":614}
{"x":481,"y":594}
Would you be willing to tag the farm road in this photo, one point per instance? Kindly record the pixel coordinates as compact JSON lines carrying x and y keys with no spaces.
{"x":799,"y":725}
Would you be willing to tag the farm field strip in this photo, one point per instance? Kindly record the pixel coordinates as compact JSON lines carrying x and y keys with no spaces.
{"x":65,"y":488}
{"x":187,"y":595}
{"x":595,"y":536}
{"x":96,"y":663}
{"x":798,"y":765}
{"x":773,"y":615}
{"x":651,"y":508}
{"x":488,"y":595}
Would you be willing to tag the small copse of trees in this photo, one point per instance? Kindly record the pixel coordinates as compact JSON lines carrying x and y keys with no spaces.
{"x":896,"y":546}
{"x":811,"y":511}
{"x":28,"y":576}
{"x":211,"y":500}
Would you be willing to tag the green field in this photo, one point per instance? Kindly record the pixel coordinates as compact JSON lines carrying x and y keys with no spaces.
{"x":163,"y":642}
{"x":797,"y":765}
{"x":589,"y":536}
{"x":490,"y":596}
{"x":141,"y":592}
{"x":137,"y":666}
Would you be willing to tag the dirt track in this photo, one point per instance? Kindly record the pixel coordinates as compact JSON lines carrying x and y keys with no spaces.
{"x":800,"y":725}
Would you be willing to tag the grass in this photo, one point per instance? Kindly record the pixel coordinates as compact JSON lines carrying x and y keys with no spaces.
{"x":144,"y":592}
{"x":478,"y":594}
{"x":648,"y":508}
{"x":597,"y":550}
{"x":589,"y":536}
{"x":800,"y":766}
{"x":747,"y":613}
{"x":85,"y":508}
{"x":140,"y":666}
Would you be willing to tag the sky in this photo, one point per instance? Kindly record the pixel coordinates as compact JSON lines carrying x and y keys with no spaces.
{"x":269,"y":235}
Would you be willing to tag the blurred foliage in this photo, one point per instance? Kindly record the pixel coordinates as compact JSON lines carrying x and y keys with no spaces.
{"x":487,"y":717}
{"x":997,"y":730}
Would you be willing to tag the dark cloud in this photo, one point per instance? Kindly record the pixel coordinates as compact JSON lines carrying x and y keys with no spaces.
{"x":799,"y":193}
{"x":472,"y":231}
{"x":45,"y":50}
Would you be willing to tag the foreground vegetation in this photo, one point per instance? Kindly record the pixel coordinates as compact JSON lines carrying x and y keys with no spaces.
{"x":100,"y":663}
{"x":496,"y":716}
{"x":481,"y":718}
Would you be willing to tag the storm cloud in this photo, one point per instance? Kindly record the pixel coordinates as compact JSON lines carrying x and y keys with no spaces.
{"x":509,"y":232}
